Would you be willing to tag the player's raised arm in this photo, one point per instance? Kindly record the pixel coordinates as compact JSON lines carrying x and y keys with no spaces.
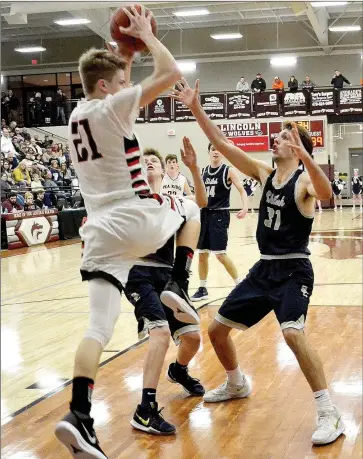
{"x":166,"y":71}
{"x":189,"y":158}
{"x":249,"y":166}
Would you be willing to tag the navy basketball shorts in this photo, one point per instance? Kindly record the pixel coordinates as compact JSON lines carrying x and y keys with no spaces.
{"x":283,"y":286}
{"x":143,"y":289}
{"x":214,"y":230}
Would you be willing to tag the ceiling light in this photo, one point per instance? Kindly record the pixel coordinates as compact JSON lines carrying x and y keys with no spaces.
{"x":74,"y":21}
{"x":346,"y":28}
{"x":283,"y":61}
{"x":187,"y":66}
{"x":30,"y":49}
{"x":186,"y":13}
{"x":319,"y":4}
{"x":226,"y":36}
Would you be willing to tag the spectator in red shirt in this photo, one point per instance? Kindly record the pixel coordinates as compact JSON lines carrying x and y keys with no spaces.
{"x":10,"y":205}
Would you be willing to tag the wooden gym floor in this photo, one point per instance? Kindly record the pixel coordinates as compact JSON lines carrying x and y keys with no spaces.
{"x":44,"y":314}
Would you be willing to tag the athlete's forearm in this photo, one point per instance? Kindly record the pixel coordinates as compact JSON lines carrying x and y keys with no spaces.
{"x":199,"y":188}
{"x":319,"y":180}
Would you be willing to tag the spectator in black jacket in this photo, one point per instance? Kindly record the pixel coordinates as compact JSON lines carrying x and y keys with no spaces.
{"x":61,"y":100}
{"x":258,"y":84}
{"x":338,"y":80}
{"x":14,"y":105}
{"x":293,"y":84}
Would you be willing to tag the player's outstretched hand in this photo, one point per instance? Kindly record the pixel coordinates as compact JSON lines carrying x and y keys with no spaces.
{"x":188,"y":155}
{"x":185,"y":93}
{"x":296,"y":144}
{"x":140,"y":23}
{"x":241,"y":214}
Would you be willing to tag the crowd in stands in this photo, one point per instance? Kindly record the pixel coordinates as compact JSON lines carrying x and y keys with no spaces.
{"x":35,"y":173}
{"x":259,"y":84}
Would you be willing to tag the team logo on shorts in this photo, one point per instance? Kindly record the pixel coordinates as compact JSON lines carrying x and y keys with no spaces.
{"x":304,"y":291}
{"x":135,"y":297}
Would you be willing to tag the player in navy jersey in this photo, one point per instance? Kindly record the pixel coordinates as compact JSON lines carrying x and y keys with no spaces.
{"x":250,"y":186}
{"x":282,"y":281}
{"x":218,"y":179}
{"x":143,"y":289}
{"x":357,"y":184}
{"x":337,"y":186}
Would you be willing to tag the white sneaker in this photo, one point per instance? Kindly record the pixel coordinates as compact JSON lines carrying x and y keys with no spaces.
{"x":335,"y":209}
{"x":228,"y":391}
{"x":330,"y":427}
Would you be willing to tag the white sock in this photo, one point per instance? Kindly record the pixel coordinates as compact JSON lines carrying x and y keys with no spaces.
{"x":236,"y":377}
{"x":323,"y":401}
{"x":203,"y":283}
{"x":237,"y":280}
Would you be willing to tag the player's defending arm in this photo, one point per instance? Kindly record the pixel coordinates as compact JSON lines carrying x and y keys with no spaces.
{"x":318,"y":185}
{"x":166,"y":71}
{"x":233,"y":177}
{"x":189,"y":158}
{"x":243,"y":162}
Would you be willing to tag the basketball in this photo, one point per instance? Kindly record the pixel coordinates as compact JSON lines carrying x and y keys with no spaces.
{"x":119,"y":19}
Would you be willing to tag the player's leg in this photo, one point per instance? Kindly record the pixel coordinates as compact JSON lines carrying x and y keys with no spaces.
{"x":203,"y":261}
{"x":291,"y":313}
{"x":354,"y":200}
{"x":340,"y":201}
{"x":75,"y":430}
{"x":318,"y":202}
{"x":142,"y":293}
{"x":229,"y":266}
{"x":187,"y":338}
{"x":360,"y":201}
{"x":244,"y":307}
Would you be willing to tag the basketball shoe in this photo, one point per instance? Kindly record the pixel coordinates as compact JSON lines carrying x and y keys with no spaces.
{"x":76,"y":433}
{"x":175,"y":298}
{"x":191,"y":385}
{"x":200,"y":294}
{"x":227,"y":391}
{"x":330,"y":427}
{"x":149,"y":419}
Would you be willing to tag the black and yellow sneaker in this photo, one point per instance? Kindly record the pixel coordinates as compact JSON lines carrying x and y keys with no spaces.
{"x":191,"y":385}
{"x":148,"y":419}
{"x":76,"y":433}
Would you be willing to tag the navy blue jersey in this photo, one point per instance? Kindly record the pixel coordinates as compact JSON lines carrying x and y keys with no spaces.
{"x":335,"y":186}
{"x":217,"y":187}
{"x":282,"y":229}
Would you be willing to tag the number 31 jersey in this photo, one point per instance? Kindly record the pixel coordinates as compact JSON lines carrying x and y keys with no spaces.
{"x":217,"y":187}
{"x":104,"y":150}
{"x":282,"y":228}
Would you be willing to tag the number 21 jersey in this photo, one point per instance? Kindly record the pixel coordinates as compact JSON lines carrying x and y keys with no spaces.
{"x":282,"y":228}
{"x":104,"y":150}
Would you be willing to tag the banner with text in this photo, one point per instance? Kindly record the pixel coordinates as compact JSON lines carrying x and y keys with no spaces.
{"x":238,"y":105}
{"x":250,"y":137}
{"x":160,"y":110}
{"x":350,"y":101}
{"x":315,"y":129}
{"x":214,"y":105}
{"x":266,"y":104}
{"x":294,"y":104}
{"x":322,"y":102}
{"x":182,"y":112}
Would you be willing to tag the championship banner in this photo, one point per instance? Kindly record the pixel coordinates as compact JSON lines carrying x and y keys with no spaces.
{"x":294,"y":104}
{"x":315,"y":129}
{"x":250,"y":137}
{"x":239,"y":105}
{"x":322,"y":102}
{"x":24,"y":229}
{"x":182,"y":112}
{"x":214,"y":105}
{"x":350,"y":101}
{"x":142,"y":115}
{"x":160,"y":110}
{"x":266,"y":104}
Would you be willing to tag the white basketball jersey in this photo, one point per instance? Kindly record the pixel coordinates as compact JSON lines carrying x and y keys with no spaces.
{"x":173,"y":187}
{"x":104,"y":150}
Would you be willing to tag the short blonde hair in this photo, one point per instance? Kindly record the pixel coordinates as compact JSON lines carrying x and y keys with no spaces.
{"x":96,"y":64}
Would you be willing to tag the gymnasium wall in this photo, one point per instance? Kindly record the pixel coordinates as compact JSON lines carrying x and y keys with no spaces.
{"x":351,"y":138}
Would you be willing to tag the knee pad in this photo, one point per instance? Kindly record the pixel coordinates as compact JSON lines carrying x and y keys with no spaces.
{"x":188,"y":209}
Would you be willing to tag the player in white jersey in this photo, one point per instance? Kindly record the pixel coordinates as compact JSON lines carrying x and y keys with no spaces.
{"x":124,"y":221}
{"x":174,"y":183}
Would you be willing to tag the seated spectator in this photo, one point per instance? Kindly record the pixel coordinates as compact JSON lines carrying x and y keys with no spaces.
{"x":36,"y":184}
{"x":29,"y":202}
{"x":47,"y":154}
{"x":48,"y":182}
{"x":55,"y":170}
{"x":18,"y":134}
{"x":65,"y":175}
{"x":13,"y":160}
{"x":5,"y":186}
{"x":12,"y":126}
{"x":6,"y":142}
{"x":258,"y":84}
{"x":47,"y":142}
{"x":10,"y":205}
{"x":21,"y":174}
{"x":34,"y":146}
{"x":293,"y":84}
{"x":242,"y":85}
{"x":308,"y":84}
{"x":338,"y":80}
{"x":41,"y":200}
{"x":25,"y":134}
{"x":6,"y":169}
{"x":278,"y":84}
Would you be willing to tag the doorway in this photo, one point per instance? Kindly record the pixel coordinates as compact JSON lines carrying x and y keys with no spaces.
{"x":355,"y":162}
